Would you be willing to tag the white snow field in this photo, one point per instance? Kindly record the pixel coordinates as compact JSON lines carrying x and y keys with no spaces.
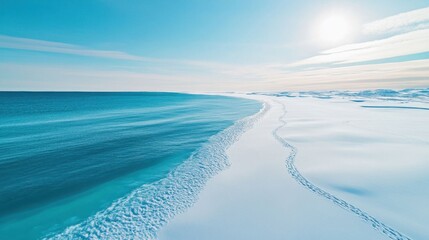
{"x":331,"y":165}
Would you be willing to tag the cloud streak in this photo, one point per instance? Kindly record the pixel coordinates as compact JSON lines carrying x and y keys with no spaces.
{"x":56,"y":77}
{"x":258,"y":78}
{"x":384,"y":75}
{"x":344,"y":67}
{"x":411,"y":37}
{"x":10,"y":42}
{"x":400,"y":45}
{"x":407,"y":21}
{"x":350,"y":66}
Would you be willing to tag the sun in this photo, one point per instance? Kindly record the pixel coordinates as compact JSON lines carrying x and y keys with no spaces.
{"x":334,"y":28}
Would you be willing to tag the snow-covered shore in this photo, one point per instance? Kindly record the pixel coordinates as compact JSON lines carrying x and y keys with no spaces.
{"x":372,"y":153}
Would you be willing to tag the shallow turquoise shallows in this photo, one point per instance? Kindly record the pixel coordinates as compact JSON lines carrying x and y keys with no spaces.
{"x":66,"y":156}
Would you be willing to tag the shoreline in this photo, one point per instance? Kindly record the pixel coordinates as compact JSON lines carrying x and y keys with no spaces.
{"x":257,"y":198}
{"x":229,"y":206}
{"x":145,"y":210}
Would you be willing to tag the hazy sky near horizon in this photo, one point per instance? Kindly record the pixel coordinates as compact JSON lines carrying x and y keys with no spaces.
{"x":223,"y":45}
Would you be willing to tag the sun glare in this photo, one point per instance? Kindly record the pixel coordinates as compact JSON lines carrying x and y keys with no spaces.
{"x":333,"y":28}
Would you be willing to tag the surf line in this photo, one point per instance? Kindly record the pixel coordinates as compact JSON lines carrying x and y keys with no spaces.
{"x":293,"y":171}
{"x":143,"y":212}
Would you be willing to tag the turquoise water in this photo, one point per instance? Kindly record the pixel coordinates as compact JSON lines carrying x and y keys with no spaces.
{"x":66,"y":156}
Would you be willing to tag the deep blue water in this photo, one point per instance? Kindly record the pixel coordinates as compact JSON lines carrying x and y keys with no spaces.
{"x":65,"y":156}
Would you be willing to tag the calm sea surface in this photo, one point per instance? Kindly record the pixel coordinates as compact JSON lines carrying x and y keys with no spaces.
{"x":66,"y":156}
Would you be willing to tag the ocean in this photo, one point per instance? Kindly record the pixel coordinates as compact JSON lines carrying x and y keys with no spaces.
{"x":68,"y":158}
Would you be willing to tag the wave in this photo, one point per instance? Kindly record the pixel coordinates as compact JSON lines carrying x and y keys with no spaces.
{"x":144,"y":211}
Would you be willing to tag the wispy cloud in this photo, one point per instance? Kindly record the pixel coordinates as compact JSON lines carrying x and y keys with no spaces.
{"x":411,"y":37}
{"x":56,"y":77}
{"x":178,"y":71}
{"x":390,"y":75}
{"x":407,"y":21}
{"x":399,"y":45}
{"x":326,"y":70}
{"x":258,"y":78}
{"x":11,"y":42}
{"x":350,"y":66}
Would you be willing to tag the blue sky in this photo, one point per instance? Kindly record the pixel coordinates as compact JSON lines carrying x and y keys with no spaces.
{"x":219,"y":45}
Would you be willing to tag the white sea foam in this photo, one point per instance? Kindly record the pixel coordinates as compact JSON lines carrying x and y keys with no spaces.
{"x":144,"y":211}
